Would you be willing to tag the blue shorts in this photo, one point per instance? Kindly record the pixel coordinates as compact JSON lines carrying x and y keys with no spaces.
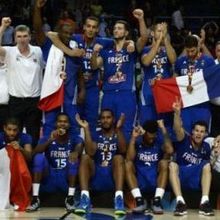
{"x":190,"y":176}
{"x":147,"y":178}
{"x":103,"y":179}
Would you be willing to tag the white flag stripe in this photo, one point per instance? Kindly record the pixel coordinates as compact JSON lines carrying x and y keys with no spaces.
{"x":5,"y":177}
{"x":199,"y":92}
{"x":52,"y":81}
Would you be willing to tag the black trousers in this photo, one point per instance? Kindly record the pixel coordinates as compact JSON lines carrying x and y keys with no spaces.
{"x":3,"y":115}
{"x":215,"y":125}
{"x":28,"y":114}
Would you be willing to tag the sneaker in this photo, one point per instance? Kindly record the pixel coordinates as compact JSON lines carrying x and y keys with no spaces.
{"x":156,"y":206}
{"x":206,"y":209}
{"x":119,"y":206}
{"x":84,"y":205}
{"x":35,"y":204}
{"x":69,"y":203}
{"x":181,"y":209}
{"x":141,"y":205}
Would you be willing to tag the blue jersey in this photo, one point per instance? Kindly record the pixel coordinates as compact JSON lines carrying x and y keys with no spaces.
{"x":159,"y":65}
{"x":119,"y":70}
{"x":22,"y":139}
{"x":107,"y":148}
{"x":148,"y":155}
{"x":57,"y":154}
{"x":183,"y":64}
{"x":90,"y":76}
{"x":72,"y":67}
{"x":187,"y":155}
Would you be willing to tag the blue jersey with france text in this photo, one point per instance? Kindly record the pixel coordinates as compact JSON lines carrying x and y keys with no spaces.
{"x":90,"y":76}
{"x":72,"y":67}
{"x":22,"y":139}
{"x":119,"y":70}
{"x":160,"y":65}
{"x":187,"y":155}
{"x":148,"y":155}
{"x":107,"y":148}
{"x":184,"y":65}
{"x":57,"y":154}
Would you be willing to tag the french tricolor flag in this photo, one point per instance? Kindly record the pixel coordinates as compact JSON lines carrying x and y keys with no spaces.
{"x":52,"y":92}
{"x":15,"y":179}
{"x":205,"y":84}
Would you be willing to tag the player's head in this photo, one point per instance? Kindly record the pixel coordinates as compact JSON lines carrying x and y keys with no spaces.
{"x":151,"y":128}
{"x":121,"y":30}
{"x":191,"y":46}
{"x":91,"y":27}
{"x":107,"y":119}
{"x":22,"y":35}
{"x":62,"y":121}
{"x":157,"y":30}
{"x":65,"y":32}
{"x":199,"y":131}
{"x":11,"y":128}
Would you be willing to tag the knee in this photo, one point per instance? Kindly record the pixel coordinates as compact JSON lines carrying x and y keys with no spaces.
{"x":173,"y":167}
{"x":163,"y":165}
{"x":207,"y":168}
{"x":38,"y":159}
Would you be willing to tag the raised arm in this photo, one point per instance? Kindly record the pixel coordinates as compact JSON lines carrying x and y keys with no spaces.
{"x":6,"y":21}
{"x":167,"y":144}
{"x":177,"y":121}
{"x":131,"y":152}
{"x":171,"y":54}
{"x":96,"y":60}
{"x":37,"y":21}
{"x":147,"y":59}
{"x":90,"y":145}
{"x":144,"y":32}
{"x":75,"y":52}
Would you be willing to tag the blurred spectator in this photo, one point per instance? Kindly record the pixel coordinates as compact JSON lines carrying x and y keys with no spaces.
{"x":96,"y":8}
{"x":8,"y":36}
{"x":177,"y":18}
{"x":46,"y":27}
{"x":211,"y":31}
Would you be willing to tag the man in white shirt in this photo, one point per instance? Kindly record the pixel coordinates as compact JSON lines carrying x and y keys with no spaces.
{"x":24,"y":65}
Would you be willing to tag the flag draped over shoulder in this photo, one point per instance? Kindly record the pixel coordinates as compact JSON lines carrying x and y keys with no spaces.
{"x":21,"y":180}
{"x":16,"y":178}
{"x":52,"y":92}
{"x":205,"y":86}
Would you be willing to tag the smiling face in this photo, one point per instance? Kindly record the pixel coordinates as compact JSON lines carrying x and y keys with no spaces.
{"x":90,"y":28}
{"x":198,"y":134}
{"x":65,"y":32}
{"x":63,"y":122}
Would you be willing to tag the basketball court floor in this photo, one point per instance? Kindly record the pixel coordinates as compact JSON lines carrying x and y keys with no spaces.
{"x":99,"y":214}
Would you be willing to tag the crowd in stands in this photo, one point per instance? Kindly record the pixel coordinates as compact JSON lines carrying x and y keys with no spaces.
{"x":76,"y":103}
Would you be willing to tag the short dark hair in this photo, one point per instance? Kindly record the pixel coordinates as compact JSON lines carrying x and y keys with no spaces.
{"x":150,"y":126}
{"x":12,"y":121}
{"x":201,"y":123}
{"x":93,"y":18}
{"x":62,"y":114}
{"x":22,"y":28}
{"x":107,"y":110}
{"x":191,"y":41}
{"x":125,"y":23}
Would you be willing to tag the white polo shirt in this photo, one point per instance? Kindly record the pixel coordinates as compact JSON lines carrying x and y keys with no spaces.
{"x":24,"y":72}
{"x":4,"y":97}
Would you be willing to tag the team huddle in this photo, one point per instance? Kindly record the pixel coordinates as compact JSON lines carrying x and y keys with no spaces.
{"x":119,"y":143}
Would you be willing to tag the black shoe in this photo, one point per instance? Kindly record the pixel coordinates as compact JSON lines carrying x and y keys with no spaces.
{"x":35,"y":204}
{"x":156,"y":206}
{"x":206,"y":209}
{"x":140,"y":205}
{"x":181,"y":209}
{"x":69,"y":203}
